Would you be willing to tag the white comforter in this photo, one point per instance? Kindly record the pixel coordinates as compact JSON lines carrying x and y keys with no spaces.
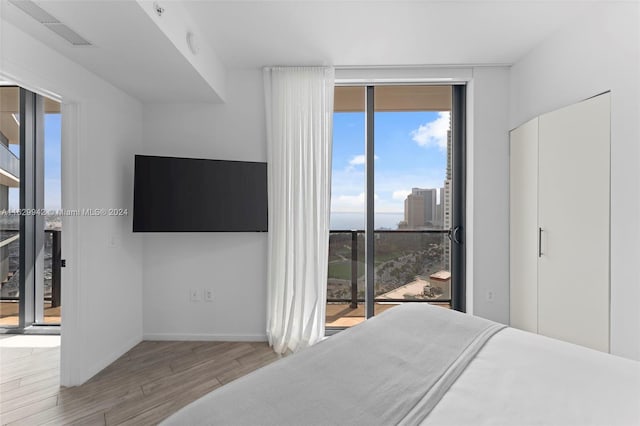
{"x":520,"y":378}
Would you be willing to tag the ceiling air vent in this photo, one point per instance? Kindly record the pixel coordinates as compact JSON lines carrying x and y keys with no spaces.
{"x":46,"y":19}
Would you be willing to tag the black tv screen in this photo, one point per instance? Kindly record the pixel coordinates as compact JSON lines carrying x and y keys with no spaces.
{"x":196,"y":195}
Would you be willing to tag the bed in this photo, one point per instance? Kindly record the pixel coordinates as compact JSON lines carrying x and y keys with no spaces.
{"x":417,"y":364}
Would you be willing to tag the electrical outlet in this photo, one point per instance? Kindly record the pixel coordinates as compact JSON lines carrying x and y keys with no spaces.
{"x":194,"y":295}
{"x":490,"y":296}
{"x":208,"y":294}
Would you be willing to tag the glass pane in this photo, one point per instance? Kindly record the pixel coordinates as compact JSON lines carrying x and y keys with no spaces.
{"x":345,"y":285}
{"x":412,"y":266}
{"x":9,"y":205}
{"x":345,"y":306}
{"x":412,"y":193}
{"x":52,"y":205}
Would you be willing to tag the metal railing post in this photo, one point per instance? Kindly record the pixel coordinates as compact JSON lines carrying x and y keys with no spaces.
{"x":56,"y":257}
{"x":354,"y":269}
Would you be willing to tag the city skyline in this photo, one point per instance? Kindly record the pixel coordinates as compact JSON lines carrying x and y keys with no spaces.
{"x":410,"y":151}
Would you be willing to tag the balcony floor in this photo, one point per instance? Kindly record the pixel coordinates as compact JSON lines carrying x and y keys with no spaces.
{"x":342,"y":315}
{"x":9,"y":314}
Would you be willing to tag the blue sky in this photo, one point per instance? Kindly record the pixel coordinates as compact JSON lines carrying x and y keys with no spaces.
{"x":410,"y":150}
{"x":52,"y":161}
{"x":52,"y":165}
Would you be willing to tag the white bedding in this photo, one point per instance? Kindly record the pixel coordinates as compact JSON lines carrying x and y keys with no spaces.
{"x":393,"y":369}
{"x":377,"y":373}
{"x":520,"y":378}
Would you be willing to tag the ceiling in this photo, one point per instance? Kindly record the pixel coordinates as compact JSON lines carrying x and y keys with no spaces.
{"x":128,"y":49}
{"x":10,"y":107}
{"x":354,"y":33}
{"x":394,"y":98}
{"x":133,"y":53}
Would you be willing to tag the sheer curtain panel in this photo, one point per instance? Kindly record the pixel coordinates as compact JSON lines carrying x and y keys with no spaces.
{"x":299,"y":112}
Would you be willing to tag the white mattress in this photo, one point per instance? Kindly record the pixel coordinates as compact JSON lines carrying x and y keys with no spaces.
{"x":520,"y":378}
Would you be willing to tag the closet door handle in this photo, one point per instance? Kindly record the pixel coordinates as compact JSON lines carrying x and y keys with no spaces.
{"x":539,"y":242}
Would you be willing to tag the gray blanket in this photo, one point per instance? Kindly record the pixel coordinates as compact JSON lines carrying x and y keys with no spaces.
{"x":392,"y":369}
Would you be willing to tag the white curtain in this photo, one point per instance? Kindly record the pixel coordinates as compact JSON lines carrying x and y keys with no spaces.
{"x":299,"y":110}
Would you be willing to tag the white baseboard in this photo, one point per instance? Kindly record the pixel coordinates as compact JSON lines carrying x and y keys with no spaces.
{"x":206,"y":337}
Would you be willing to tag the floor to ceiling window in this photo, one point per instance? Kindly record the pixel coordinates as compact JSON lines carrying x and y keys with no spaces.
{"x":397,"y":200}
{"x":30,"y":225}
{"x":52,"y":220}
{"x":10,"y":240}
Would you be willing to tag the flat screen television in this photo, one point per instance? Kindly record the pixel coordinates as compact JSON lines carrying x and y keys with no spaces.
{"x":197,"y":195}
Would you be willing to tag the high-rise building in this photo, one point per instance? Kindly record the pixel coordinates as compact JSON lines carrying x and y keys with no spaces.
{"x":414,"y":211}
{"x":430,"y":204}
{"x":447,"y":203}
{"x":439,"y":222}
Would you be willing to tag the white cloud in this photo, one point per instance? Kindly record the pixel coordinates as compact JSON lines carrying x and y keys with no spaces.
{"x":433,"y":133}
{"x":359,"y":160}
{"x":400,"y":194}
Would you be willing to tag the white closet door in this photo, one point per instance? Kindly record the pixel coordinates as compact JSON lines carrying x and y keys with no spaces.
{"x":573,"y":271}
{"x":523,"y":227}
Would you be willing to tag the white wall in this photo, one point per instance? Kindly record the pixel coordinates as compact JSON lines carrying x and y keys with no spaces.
{"x":488,"y":194}
{"x":102,"y":284}
{"x":593,"y":56}
{"x":234,"y":265}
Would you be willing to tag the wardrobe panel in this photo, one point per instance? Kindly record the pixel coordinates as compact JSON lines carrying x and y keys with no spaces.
{"x":573,"y":213}
{"x":523,"y":273}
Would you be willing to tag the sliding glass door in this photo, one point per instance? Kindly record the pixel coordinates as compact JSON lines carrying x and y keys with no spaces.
{"x":346,"y":279}
{"x":397,"y":200}
{"x":49,"y":303}
{"x":29,"y":196}
{"x":10,"y":186}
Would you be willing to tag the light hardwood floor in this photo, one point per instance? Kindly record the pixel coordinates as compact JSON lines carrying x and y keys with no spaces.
{"x":144,"y":386}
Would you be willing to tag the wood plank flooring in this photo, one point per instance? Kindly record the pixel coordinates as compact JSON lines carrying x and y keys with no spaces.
{"x":144,"y":386}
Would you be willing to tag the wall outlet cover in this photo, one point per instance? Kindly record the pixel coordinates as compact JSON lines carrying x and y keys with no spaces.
{"x":194,"y":295}
{"x":208,"y":294}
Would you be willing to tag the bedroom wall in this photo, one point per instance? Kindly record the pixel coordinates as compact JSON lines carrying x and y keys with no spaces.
{"x":233,"y":265}
{"x":102,"y":283}
{"x":593,"y":56}
{"x":488,"y":194}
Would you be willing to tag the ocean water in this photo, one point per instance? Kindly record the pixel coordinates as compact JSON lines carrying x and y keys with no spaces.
{"x":357,"y":220}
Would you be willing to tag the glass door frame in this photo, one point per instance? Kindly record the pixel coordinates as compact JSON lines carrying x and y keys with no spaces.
{"x":31,"y":224}
{"x":31,"y":199}
{"x":457,"y":231}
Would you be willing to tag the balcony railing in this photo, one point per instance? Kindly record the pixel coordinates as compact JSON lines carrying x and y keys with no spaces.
{"x":410,"y":265}
{"x":52,"y":265}
{"x":9,"y":163}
